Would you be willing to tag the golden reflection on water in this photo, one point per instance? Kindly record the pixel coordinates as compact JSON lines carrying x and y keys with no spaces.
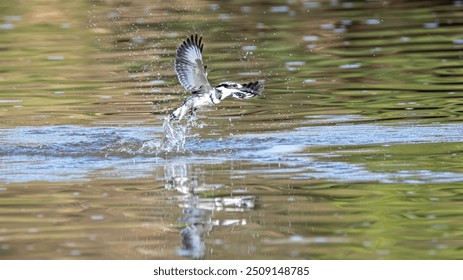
{"x":250,"y":184}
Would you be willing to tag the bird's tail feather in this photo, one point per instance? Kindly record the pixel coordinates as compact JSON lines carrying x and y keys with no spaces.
{"x":250,"y":90}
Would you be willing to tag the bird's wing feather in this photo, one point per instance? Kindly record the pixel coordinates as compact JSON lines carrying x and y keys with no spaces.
{"x":189,"y":66}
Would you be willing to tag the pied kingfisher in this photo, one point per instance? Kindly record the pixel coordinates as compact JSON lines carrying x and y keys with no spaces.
{"x":192,"y":74}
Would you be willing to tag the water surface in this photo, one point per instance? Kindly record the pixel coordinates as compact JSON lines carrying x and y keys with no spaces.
{"x":354,"y":150}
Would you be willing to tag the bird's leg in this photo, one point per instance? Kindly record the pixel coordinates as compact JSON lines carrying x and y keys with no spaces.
{"x":175,"y":114}
{"x":180,"y":112}
{"x":192,"y":112}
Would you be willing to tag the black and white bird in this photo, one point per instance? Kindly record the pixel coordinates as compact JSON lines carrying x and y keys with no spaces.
{"x":192,"y":74}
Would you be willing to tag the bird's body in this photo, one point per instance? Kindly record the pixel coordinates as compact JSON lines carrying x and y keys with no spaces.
{"x":192,"y":74}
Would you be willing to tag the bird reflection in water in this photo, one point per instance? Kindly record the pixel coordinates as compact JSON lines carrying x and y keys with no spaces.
{"x":198,"y":212}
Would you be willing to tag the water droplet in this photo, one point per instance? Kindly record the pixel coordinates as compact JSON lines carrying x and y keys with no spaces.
{"x":367,"y":243}
{"x":312,"y":5}
{"x":138,"y":40}
{"x":113,"y":15}
{"x":224,"y":17}
{"x":12,"y":18}
{"x":351,"y":66}
{"x":260,"y":25}
{"x":372,"y":21}
{"x":248,"y":48}
{"x":383,"y":252}
{"x":55,"y":57}
{"x":348,"y":5}
{"x":246,"y":9}
{"x":7,"y":26}
{"x":431,"y":25}
{"x":97,"y":217}
{"x":296,"y":239}
{"x":75,"y":253}
{"x":327,"y":26}
{"x":279,"y":9}
{"x":156,"y":82}
{"x":214,"y":6}
{"x":405,"y":39}
{"x":346,"y":22}
{"x":310,"y":38}
{"x":32,"y":230}
{"x":311,"y":46}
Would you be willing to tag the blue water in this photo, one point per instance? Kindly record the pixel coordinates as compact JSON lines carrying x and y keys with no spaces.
{"x":74,"y":153}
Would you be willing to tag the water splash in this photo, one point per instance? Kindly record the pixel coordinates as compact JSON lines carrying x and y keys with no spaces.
{"x":173,"y":140}
{"x":176,"y":133}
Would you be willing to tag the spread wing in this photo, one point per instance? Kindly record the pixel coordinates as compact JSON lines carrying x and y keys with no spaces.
{"x":189,"y":66}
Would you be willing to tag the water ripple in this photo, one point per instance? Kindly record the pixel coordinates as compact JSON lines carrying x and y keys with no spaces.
{"x":57,"y":153}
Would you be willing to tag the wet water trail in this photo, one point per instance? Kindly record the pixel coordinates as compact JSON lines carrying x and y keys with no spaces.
{"x":54,"y":153}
